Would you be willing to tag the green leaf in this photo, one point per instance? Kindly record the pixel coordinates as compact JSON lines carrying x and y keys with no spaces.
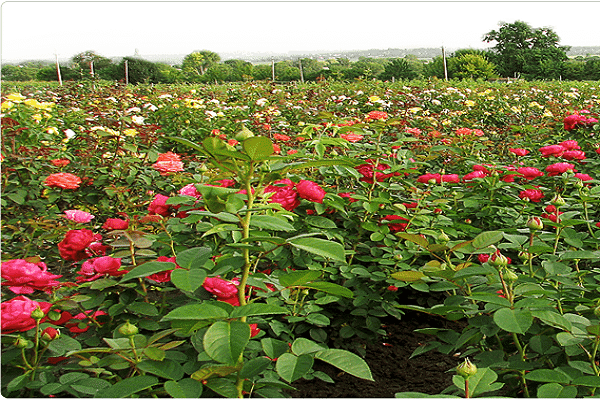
{"x":186,"y":388}
{"x":548,"y":375}
{"x":408,"y":276}
{"x":483,"y":381}
{"x":167,"y":369}
{"x":193,"y":258}
{"x":143,"y":308}
{"x":568,"y":339}
{"x":305,"y":346}
{"x":421,"y":241}
{"x":318,"y":319}
{"x":587,"y":380}
{"x":299,"y":278}
{"x":221,"y":228}
{"x":273,"y":348}
{"x":257,"y":309}
{"x":19,"y":382}
{"x":291,"y":367}
{"x":485,"y":239}
{"x":148,"y":268}
{"x":128,"y":386}
{"x":553,"y":318}
{"x":580,"y":254}
{"x":214,"y":370}
{"x":271,"y":222}
{"x":188,"y":280}
{"x":154,"y":353}
{"x":224,"y":341}
{"x":258,"y":147}
{"x":320,"y":222}
{"x":223,"y":386}
{"x":347,"y":362}
{"x":330,"y":288}
{"x":321,"y":247}
{"x":90,"y":386}
{"x":63,"y":344}
{"x":555,"y":390}
{"x":254,"y":367}
{"x":492,"y":298}
{"x":197,"y":311}
{"x":517,"y":321}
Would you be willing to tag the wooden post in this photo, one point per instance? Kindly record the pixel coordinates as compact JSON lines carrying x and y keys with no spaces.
{"x":301,"y":73}
{"x":58,"y":70}
{"x":92,"y":68}
{"x":126,"y":73}
{"x":445,"y":66}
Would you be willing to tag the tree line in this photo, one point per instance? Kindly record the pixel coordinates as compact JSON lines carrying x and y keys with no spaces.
{"x":519,"y":51}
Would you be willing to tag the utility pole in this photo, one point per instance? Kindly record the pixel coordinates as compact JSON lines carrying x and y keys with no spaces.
{"x":273,"y":68}
{"x":126,"y":73}
{"x":445,"y":66}
{"x":58,"y":70}
{"x":301,"y":73}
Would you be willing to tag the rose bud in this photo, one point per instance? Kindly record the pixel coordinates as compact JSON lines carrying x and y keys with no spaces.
{"x":466,"y":369}
{"x":498,"y":259}
{"x":510,"y":276}
{"x":128,"y":329}
{"x":558,"y":201}
{"x":21,"y":343}
{"x":37,"y":314}
{"x":50,"y":333}
{"x":535,"y":223}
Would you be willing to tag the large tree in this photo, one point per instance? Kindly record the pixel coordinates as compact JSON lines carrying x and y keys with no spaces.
{"x":521,"y":49}
{"x":198,"y":62}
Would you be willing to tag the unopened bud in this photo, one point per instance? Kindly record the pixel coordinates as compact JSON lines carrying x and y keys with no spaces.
{"x":498,"y":259}
{"x":50,"y":333}
{"x":37,"y":314}
{"x":523,"y":255}
{"x":466,"y":369}
{"x":443,"y":238}
{"x":510,"y":276}
{"x":535,"y":223}
{"x":128,"y":329}
{"x":558,"y":201}
{"x":305,"y":292}
{"x":21,"y":343}
{"x":597,"y":311}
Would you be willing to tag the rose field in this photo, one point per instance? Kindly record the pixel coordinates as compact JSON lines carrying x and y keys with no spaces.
{"x":238,"y":240}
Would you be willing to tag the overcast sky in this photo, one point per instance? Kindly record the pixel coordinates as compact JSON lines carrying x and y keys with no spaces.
{"x":38,"y":30}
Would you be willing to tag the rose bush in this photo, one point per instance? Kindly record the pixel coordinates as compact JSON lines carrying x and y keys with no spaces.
{"x":243,"y":232}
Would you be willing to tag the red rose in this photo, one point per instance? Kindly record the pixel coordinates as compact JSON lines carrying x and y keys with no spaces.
{"x":221,"y":288}
{"x":16,"y":314}
{"x":254,"y":330}
{"x":430,"y":178}
{"x":163,"y":276}
{"x":63,"y":180}
{"x":377,"y":115}
{"x":555,"y":150}
{"x":74,"y":326}
{"x":50,"y":333}
{"x":73,"y":246}
{"x":98,"y":267}
{"x":366,"y":170}
{"x":573,"y":155}
{"x":311,"y":191}
{"x":60,"y":162}
{"x":519,"y":152}
{"x":115,"y":224}
{"x":571,"y":121}
{"x":159,"y":206}
{"x":396,"y":227}
{"x":531,"y":194}
{"x":472,"y":175}
{"x":560,"y":168}
{"x":352,"y":137}
{"x":23,"y":277}
{"x":530,"y":173}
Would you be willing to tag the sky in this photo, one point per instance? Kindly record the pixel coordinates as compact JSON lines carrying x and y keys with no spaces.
{"x":33,"y":30}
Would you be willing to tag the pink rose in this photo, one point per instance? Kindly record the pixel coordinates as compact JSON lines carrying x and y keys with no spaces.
{"x":81,"y":217}
{"x":73,"y":246}
{"x":519,"y":152}
{"x":573,"y":155}
{"x":555,"y":150}
{"x":23,"y":277}
{"x":16,"y":314}
{"x":168,"y":162}
{"x":190,"y":190}
{"x":311,"y":191}
{"x":287,"y":197}
{"x":530,"y":173}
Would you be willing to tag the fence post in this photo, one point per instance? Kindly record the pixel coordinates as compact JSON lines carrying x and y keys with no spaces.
{"x":445,"y":66}
{"x":126,"y":73}
{"x":58,"y":70}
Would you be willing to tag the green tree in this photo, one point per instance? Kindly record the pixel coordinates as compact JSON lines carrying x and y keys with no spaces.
{"x":286,"y":71}
{"x":218,"y":73}
{"x":398,"y":68}
{"x":139,"y":71}
{"x":198,"y":62}
{"x":81,"y":63}
{"x":435,"y":68}
{"x":18,"y":73}
{"x":591,"y":71}
{"x":241,"y":70}
{"x":169,"y":74}
{"x":521,"y":49}
{"x":49,"y":74}
{"x":471,"y":66}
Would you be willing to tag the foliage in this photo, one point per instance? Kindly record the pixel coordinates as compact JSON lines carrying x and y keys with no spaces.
{"x":227,"y":236}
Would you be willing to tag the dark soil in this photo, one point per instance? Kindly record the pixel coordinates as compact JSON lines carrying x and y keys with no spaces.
{"x":390,"y":365}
